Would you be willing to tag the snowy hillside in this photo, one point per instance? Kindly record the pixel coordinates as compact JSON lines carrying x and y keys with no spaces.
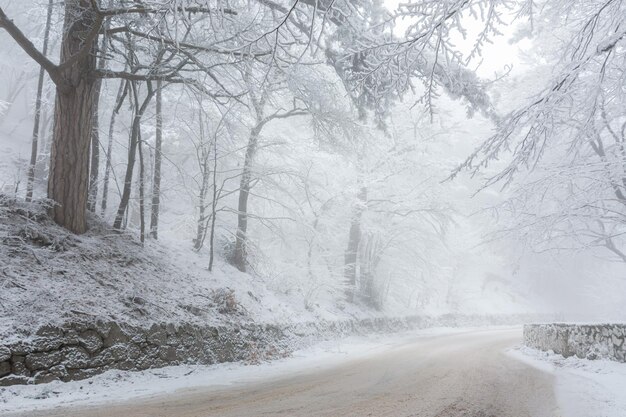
{"x":50,"y":275}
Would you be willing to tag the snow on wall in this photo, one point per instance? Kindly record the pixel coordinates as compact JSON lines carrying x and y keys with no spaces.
{"x":79,"y":350}
{"x":591,"y":341}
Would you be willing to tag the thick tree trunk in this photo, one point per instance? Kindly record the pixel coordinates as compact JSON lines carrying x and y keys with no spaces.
{"x":354,"y":238}
{"x":35,"y":138}
{"x":156,"y":180}
{"x":239,"y":258}
{"x":73,"y":121}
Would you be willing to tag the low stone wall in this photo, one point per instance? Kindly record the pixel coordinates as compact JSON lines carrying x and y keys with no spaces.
{"x":591,"y":341}
{"x":81,"y":349}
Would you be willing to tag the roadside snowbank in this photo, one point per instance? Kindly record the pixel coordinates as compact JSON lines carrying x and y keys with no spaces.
{"x":583,"y":388}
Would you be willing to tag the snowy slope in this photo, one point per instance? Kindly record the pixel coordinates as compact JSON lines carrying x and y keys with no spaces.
{"x":48,"y":275}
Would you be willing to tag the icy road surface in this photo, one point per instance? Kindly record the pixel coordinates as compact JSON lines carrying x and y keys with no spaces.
{"x":456,"y":375}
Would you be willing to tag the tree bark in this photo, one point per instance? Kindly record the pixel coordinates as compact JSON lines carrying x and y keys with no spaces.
{"x":239,"y":258}
{"x":354,"y":238}
{"x":95,"y":139}
{"x":35,"y":138}
{"x":95,"y":155}
{"x":201,"y":225}
{"x":132,"y":151}
{"x":73,"y":120}
{"x":142,"y":210}
{"x":213,"y":207}
{"x":121,"y":94}
{"x":156,"y":181}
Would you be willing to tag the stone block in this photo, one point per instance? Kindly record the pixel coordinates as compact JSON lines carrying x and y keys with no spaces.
{"x":59,"y":371}
{"x":78,"y":374}
{"x":13,"y":380}
{"x":75,"y":357}
{"x":115,"y":336}
{"x":168,"y":354}
{"x":156,"y":335}
{"x":5,"y":353}
{"x":91,"y":341}
{"x":44,"y":377}
{"x":42,"y":360}
{"x":18,"y":367}
{"x":5,"y":368}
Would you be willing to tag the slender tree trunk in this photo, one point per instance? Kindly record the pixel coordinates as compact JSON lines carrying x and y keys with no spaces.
{"x":142,"y":210}
{"x":95,"y":155}
{"x":128,"y":178}
{"x":202,"y":156}
{"x":239,"y":259}
{"x":95,"y":148}
{"x":213,"y":206}
{"x":201,"y":225}
{"x":46,"y":126}
{"x":156,"y":180}
{"x":132,"y":152}
{"x":203,"y":160}
{"x":35,"y":139}
{"x":121,"y":94}
{"x":354,"y":238}
{"x":73,"y":122}
{"x":95,"y":133}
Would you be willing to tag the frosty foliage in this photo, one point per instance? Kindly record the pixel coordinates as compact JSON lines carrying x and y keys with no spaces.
{"x":571,"y":135}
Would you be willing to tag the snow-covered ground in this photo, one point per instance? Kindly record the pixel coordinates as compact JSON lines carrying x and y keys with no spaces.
{"x":584,"y":388}
{"x":49,"y":276}
{"x":119,"y":386}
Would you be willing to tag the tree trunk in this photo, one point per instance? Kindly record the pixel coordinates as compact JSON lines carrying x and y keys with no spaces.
{"x":73,"y":122}
{"x":201,"y":225}
{"x":203,"y":152}
{"x":213,"y":207}
{"x":354,"y":238}
{"x":121,"y":94}
{"x":95,"y":155}
{"x":156,"y":181}
{"x":132,"y":152}
{"x":46,"y":129}
{"x":239,"y":258}
{"x":142,"y":209}
{"x":35,"y":139}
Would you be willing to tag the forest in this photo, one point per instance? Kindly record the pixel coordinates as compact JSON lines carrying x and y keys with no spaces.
{"x":358,"y":150}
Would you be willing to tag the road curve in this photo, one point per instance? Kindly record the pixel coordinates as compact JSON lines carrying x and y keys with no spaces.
{"x":458,"y":375}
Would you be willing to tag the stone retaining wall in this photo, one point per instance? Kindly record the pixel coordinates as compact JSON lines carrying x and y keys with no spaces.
{"x":78,"y":350}
{"x":592,"y":341}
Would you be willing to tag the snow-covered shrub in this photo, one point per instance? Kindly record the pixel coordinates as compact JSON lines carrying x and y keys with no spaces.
{"x":225,"y":301}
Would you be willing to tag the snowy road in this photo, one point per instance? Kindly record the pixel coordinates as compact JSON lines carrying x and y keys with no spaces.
{"x":458,"y":375}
